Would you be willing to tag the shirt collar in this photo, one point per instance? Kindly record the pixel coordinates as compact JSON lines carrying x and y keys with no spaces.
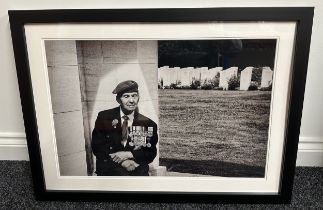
{"x":131,"y":116}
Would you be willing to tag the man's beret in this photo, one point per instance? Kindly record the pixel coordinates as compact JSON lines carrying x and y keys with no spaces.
{"x":126,"y":86}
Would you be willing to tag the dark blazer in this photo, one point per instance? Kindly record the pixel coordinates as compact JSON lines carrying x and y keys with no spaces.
{"x":106,"y":139}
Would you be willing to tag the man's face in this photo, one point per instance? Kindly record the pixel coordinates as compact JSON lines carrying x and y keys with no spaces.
{"x":129,"y":101}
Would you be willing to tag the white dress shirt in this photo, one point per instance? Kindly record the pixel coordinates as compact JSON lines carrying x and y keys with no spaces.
{"x":130,"y":121}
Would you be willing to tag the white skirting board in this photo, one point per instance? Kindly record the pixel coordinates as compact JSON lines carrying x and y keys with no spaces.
{"x":310,"y":151}
{"x":13,"y":147}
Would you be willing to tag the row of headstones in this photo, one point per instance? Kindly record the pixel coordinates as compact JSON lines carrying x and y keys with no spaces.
{"x":173,"y":75}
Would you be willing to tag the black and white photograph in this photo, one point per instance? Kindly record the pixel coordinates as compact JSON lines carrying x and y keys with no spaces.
{"x":161,"y":108}
{"x":114,"y":103}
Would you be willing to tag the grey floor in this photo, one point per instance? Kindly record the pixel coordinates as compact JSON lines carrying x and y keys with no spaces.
{"x":16,"y":192}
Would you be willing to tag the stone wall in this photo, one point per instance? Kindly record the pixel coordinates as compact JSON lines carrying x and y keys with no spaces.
{"x":67,"y":107}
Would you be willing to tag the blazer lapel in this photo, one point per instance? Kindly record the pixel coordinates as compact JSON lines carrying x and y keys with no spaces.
{"x":116,"y":115}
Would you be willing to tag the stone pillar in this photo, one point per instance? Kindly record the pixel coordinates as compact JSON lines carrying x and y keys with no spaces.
{"x":67,"y":107}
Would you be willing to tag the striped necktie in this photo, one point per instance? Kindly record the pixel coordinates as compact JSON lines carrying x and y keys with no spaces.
{"x":124,"y":129}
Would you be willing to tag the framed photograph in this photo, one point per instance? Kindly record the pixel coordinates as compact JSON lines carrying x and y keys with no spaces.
{"x":153,"y":105}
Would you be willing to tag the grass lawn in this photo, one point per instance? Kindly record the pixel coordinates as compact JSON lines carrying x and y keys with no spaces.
{"x":220,"y":133}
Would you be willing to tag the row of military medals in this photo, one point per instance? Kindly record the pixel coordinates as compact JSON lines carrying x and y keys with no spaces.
{"x":139,"y":136}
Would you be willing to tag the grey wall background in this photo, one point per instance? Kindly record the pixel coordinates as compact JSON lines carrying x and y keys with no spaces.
{"x":12,"y":138}
{"x":64,"y":83}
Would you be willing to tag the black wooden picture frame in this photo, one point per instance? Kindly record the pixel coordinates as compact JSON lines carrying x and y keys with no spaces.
{"x":302,"y":16}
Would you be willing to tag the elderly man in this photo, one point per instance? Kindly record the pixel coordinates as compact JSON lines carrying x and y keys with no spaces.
{"x":124,"y":141}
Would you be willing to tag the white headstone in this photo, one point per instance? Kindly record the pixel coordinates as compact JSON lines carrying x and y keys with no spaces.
{"x":185,"y":76}
{"x":225,"y":75}
{"x":174,"y":75}
{"x":166,"y":76}
{"x":266,"y":77}
{"x":214,"y":72}
{"x":195,"y":74}
{"x":204,"y":71}
{"x":161,"y":74}
{"x":245,"y":78}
